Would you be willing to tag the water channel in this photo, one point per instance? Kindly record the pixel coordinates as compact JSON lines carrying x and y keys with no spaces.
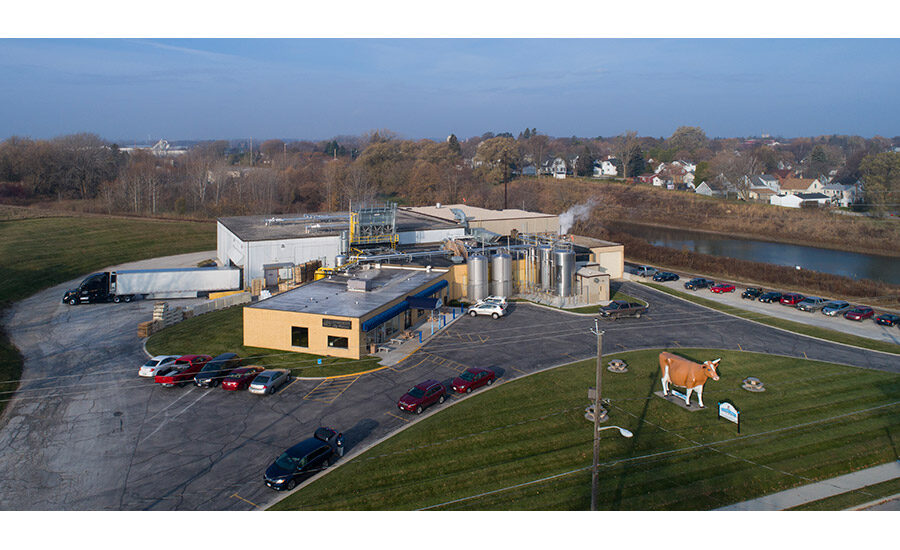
{"x":850,"y":264}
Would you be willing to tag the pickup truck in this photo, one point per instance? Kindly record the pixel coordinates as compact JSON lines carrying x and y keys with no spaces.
{"x":621,"y":308}
{"x":182,"y":370}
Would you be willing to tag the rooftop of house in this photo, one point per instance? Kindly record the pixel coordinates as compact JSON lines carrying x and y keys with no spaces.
{"x":796,"y":183}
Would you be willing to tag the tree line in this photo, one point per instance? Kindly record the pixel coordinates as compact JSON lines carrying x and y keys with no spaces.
{"x":218,"y":178}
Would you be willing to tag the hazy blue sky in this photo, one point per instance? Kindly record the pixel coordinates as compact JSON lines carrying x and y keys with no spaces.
{"x":317,"y":88}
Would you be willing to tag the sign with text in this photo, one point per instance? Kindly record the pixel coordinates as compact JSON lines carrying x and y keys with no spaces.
{"x":730,"y":413}
{"x":337,"y":323}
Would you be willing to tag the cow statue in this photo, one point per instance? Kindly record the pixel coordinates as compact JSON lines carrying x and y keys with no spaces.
{"x":686,"y":374}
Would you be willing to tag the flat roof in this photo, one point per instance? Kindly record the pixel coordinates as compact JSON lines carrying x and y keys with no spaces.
{"x":254,"y":228}
{"x":591,"y":242}
{"x":331,"y":297}
{"x":475,"y":213}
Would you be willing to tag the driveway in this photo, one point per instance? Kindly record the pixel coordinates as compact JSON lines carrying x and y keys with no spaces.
{"x":85,"y":433}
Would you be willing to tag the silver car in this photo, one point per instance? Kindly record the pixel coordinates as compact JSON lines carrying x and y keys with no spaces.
{"x":152,"y":367}
{"x":811,"y":303}
{"x":269,"y":380}
{"x":835,"y":308}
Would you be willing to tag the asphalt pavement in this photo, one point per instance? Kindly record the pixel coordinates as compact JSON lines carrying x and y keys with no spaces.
{"x":85,"y":433}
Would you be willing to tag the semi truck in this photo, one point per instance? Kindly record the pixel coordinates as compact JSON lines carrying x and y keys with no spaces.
{"x":127,"y":285}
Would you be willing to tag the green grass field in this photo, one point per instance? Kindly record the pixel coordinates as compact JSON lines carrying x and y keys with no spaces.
{"x":800,"y":328}
{"x":38,"y":253}
{"x":525,"y":445}
{"x":222,"y":331}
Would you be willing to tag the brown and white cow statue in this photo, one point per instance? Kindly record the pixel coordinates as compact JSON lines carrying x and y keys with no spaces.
{"x":687,"y":374}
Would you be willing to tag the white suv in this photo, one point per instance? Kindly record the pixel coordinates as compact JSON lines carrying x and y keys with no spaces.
{"x":493,"y":309}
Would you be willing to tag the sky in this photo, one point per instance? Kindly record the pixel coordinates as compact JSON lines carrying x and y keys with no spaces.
{"x":314,"y":88}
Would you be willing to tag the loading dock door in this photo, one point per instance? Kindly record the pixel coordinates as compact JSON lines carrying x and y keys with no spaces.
{"x":271,"y":276}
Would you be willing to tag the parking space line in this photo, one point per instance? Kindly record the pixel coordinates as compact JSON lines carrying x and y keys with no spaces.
{"x":329,"y":390}
{"x":244,"y":499}
{"x":518,"y":370}
{"x":395,"y":416}
{"x":411,"y":366}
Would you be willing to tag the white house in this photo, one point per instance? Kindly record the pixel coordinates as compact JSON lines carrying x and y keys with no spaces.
{"x":840,"y":194}
{"x":796,"y":200}
{"x":793,"y":186}
{"x":558,"y":168}
{"x":605,"y":168}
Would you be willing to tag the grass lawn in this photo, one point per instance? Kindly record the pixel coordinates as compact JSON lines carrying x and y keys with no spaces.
{"x":38,"y":253}
{"x":850,"y":499}
{"x":814,"y":421}
{"x":223,"y":331}
{"x":800,"y":328}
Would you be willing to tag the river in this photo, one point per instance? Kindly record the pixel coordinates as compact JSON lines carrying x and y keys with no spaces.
{"x":850,"y":264}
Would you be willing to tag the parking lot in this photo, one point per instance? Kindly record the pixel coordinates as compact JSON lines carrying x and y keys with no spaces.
{"x":85,"y":432}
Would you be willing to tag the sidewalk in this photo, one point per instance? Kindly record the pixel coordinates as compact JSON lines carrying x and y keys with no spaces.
{"x":399,"y":352}
{"x":822,"y":489}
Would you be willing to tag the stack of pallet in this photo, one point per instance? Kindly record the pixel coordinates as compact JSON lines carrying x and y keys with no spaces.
{"x":256,"y":286}
{"x":168,"y":316}
{"x":298,"y":274}
{"x":147,"y":328}
{"x":284,"y":287}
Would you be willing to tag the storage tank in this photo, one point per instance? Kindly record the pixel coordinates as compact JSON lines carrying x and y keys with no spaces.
{"x":340,"y":260}
{"x":565,"y":272}
{"x":501,"y":274}
{"x":478,"y":277}
{"x":545,"y":254}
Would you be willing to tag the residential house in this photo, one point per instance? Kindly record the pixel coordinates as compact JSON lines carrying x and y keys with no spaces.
{"x":644,"y":178}
{"x":529,"y":170}
{"x":796,"y":200}
{"x":604,"y":168}
{"x":841,"y":194}
{"x":793,"y":186}
{"x":762,"y":187}
{"x":558,"y":168}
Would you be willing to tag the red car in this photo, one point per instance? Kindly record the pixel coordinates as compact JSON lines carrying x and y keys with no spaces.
{"x":240,"y":378}
{"x":721,"y":287}
{"x":473,"y":378}
{"x":859,"y":313}
{"x":791,"y":299}
{"x":182,"y":370}
{"x":422,"y":395}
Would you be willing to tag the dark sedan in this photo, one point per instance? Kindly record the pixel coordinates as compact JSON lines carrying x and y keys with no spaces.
{"x":859,"y":313}
{"x":888,"y":319}
{"x":752,"y":293}
{"x":664,"y":276}
{"x":698,"y":283}
{"x":307,"y":457}
{"x":216,"y":370}
{"x":770,"y":297}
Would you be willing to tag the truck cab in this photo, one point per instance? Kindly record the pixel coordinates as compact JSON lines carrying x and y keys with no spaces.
{"x":94,"y":288}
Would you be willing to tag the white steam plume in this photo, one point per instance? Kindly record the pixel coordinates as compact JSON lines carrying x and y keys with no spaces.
{"x":577,"y":213}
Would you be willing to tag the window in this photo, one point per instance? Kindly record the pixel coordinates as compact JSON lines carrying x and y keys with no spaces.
{"x":338,"y":342}
{"x":300,"y":337}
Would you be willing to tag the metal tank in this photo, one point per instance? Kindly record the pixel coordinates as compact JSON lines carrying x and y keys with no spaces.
{"x":565,"y":272}
{"x":478,"y":277}
{"x":340,"y":260}
{"x":545,"y":254}
{"x":501,"y":274}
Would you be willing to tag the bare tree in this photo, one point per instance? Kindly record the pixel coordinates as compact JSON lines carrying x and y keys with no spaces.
{"x":357,"y":187}
{"x":737,"y":169}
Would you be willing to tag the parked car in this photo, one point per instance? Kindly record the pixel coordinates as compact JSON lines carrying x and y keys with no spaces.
{"x":493,"y":309}
{"x":494,"y":300}
{"x":621,"y":308}
{"x":770,"y":297}
{"x":664,"y":276}
{"x":216,"y":370}
{"x":269,"y":380}
{"x":473,"y":378}
{"x":888,"y":319}
{"x":811,"y":303}
{"x":646,"y":271}
{"x":308,"y":456}
{"x":721,"y":288}
{"x":181,"y":371}
{"x":698,"y":283}
{"x":752,"y":293}
{"x":859,"y":313}
{"x":791,"y":299}
{"x":240,"y":378}
{"x":422,"y":395}
{"x":836,"y":307}
{"x":154,"y":364}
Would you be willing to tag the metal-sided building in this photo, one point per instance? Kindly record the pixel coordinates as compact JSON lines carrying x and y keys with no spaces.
{"x":263,"y":245}
{"x":341,"y":316}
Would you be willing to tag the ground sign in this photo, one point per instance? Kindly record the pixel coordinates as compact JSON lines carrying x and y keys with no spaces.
{"x":729,"y":412}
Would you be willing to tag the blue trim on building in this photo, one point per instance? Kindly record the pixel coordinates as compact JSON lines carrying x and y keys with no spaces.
{"x":384,"y":316}
{"x":432,"y":289}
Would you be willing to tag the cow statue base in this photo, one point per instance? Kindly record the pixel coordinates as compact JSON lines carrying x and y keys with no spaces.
{"x":686,"y":374}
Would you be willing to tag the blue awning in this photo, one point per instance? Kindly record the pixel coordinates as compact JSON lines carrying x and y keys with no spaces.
{"x":432,"y":289}
{"x":423,"y":303}
{"x":385,"y":315}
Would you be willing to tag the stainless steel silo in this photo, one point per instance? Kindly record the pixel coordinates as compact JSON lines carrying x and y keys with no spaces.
{"x":478,"y":277}
{"x":545,"y":254}
{"x":501,"y":274}
{"x":565,"y":272}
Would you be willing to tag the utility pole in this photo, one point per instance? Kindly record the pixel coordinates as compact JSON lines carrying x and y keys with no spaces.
{"x":595,"y":469}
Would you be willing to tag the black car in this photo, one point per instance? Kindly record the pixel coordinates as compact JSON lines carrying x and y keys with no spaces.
{"x":888,"y":319}
{"x":770,"y":297}
{"x":752,"y":293}
{"x":698,"y":283}
{"x":307,"y":457}
{"x":663,"y":276}
{"x":216,"y":370}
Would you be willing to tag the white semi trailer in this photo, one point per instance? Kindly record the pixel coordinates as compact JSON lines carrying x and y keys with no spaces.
{"x":124,"y":286}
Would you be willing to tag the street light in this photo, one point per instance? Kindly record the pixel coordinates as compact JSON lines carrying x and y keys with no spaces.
{"x":595,"y":471}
